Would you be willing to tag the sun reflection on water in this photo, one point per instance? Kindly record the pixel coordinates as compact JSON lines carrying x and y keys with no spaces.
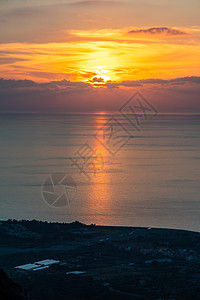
{"x":100,"y":188}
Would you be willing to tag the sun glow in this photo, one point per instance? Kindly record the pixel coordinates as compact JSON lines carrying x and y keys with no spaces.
{"x":104,"y":77}
{"x":101,"y":76}
{"x":99,"y":61}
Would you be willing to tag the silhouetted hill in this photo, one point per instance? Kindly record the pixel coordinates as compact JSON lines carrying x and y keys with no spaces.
{"x":9,"y":290}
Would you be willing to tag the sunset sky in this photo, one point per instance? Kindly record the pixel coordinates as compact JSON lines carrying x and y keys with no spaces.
{"x":58,"y":55}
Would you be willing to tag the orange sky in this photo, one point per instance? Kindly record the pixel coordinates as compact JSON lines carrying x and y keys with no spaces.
{"x":99,"y":43}
{"x":115,"y":55}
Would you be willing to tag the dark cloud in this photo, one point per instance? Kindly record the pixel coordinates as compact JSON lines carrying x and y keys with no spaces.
{"x":130,"y":83}
{"x":13,"y":84}
{"x":152,"y":81}
{"x":191,"y":79}
{"x":179,"y":94}
{"x":96,"y":79}
{"x":65,"y":83}
{"x":111,"y":85}
{"x":159,"y":30}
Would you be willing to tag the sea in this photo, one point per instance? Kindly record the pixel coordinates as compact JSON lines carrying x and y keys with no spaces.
{"x":101,"y":168}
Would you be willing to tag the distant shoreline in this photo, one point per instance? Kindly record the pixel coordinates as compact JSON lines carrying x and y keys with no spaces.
{"x":97,"y":225}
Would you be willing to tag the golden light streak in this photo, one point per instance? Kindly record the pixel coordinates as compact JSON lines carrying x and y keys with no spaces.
{"x":99,"y":190}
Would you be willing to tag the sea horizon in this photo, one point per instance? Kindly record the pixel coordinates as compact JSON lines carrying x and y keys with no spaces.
{"x":152,"y":181}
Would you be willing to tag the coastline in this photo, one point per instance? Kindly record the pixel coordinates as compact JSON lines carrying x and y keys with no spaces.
{"x":116,"y":261}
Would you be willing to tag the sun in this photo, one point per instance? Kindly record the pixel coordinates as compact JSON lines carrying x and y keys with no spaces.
{"x":101,"y":76}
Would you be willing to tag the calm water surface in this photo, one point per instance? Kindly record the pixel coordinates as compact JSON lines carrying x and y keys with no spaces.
{"x":153,"y":180}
